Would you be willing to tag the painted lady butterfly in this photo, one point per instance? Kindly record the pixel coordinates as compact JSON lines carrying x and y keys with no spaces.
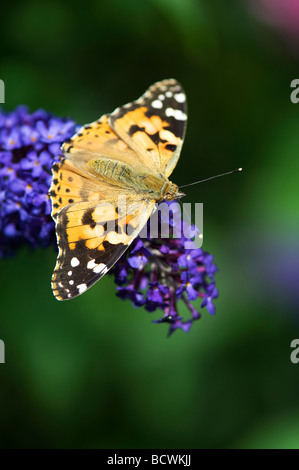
{"x":130,"y":152}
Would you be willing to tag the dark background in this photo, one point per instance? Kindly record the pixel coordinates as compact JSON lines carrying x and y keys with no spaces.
{"x":95,"y":372}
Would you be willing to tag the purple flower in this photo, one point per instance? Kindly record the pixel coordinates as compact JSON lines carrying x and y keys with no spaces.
{"x":139,"y":255}
{"x":166,"y":273}
{"x":28,"y":134}
{"x":136,"y":297}
{"x":11,"y":139}
{"x":25,"y":176}
{"x":212,"y":293}
{"x":189,"y":285}
{"x":189,"y":258}
{"x":54,"y":130}
{"x":156,"y":273}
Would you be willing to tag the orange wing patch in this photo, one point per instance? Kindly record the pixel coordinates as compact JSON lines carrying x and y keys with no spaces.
{"x":95,"y":137}
{"x":98,"y":138}
{"x":154,"y":126}
{"x":91,"y":238}
{"x":148,"y":135}
{"x":69,"y":187}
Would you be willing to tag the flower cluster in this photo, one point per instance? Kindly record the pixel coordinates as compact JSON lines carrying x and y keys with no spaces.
{"x":154,"y":273}
{"x":29,"y":144}
{"x":158,"y":272}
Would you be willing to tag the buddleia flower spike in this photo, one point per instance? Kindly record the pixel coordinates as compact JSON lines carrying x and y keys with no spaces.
{"x":157,"y":274}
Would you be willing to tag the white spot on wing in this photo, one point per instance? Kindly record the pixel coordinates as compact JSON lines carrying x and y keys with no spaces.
{"x":115,"y":111}
{"x":71,"y":282}
{"x":91,"y":264}
{"x":176,"y":113}
{"x":157,"y":104}
{"x":168,"y":94}
{"x":75,"y":262}
{"x":180,"y":97}
{"x":101,"y":268}
{"x":81,"y":288}
{"x":70,"y":273}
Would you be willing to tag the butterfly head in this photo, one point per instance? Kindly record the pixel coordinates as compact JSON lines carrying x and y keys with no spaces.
{"x":173,"y":192}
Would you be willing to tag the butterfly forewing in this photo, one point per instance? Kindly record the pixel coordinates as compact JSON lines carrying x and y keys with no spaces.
{"x":154,"y":125}
{"x":98,"y":139}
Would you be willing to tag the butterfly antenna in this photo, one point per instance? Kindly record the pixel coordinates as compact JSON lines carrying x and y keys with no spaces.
{"x":212,"y":178}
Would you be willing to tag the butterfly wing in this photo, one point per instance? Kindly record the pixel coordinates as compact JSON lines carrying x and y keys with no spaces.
{"x":146,"y":135}
{"x":98,"y":139}
{"x":93,"y":233}
{"x":154,"y":126}
{"x":92,"y":230}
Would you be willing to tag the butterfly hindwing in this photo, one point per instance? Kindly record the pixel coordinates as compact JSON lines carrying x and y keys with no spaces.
{"x":154,"y":125}
{"x":91,"y":237}
{"x":73,"y":183}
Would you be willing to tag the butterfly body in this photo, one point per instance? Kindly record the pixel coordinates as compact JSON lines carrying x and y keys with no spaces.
{"x":156,"y":186}
{"x":106,"y":186}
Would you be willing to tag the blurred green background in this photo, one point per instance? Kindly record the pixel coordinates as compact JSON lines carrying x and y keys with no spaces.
{"x":95,"y":372}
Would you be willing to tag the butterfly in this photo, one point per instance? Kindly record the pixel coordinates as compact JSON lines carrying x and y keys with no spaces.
{"x":128,"y":154}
